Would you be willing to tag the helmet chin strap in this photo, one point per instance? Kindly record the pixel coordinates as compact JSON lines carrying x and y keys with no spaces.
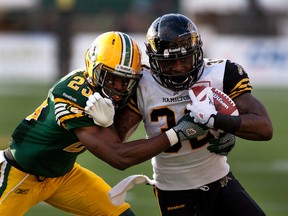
{"x":199,"y":74}
{"x":179,"y":83}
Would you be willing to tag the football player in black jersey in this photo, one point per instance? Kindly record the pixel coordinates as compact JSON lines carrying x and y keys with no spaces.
{"x":191,"y":180}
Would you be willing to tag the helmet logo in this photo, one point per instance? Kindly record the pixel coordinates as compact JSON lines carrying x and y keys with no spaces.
{"x":167,"y":52}
{"x":183,"y":51}
{"x":195,"y":39}
{"x":93,"y":53}
{"x":191,"y":27}
{"x":124,"y":69}
{"x":152,"y":43}
{"x":151,"y":33}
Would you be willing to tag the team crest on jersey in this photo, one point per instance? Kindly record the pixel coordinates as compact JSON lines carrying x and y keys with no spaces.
{"x":240,"y":69}
{"x":191,"y":131}
{"x":74,"y":109}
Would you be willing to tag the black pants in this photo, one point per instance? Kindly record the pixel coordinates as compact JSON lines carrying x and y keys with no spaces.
{"x":225,"y":197}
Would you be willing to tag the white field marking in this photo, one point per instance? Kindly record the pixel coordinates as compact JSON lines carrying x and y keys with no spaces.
{"x":276,"y":166}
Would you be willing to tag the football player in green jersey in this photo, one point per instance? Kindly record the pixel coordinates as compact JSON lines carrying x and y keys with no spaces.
{"x":40,"y":164}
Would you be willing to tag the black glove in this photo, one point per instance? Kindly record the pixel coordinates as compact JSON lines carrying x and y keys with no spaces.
{"x":186,"y":128}
{"x":223,"y":144}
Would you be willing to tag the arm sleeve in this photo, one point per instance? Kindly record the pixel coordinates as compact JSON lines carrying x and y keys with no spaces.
{"x":236,"y":80}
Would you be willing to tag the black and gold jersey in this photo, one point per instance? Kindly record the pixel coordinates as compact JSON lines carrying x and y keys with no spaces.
{"x":162,"y":108}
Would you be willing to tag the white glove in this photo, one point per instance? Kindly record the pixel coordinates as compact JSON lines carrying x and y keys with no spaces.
{"x":100,"y":109}
{"x":202,"y":111}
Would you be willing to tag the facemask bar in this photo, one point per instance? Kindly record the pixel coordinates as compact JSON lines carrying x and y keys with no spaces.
{"x":177,"y":82}
{"x":102,"y":70}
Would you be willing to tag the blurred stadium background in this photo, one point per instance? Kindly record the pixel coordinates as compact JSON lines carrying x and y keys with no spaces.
{"x":42,"y":40}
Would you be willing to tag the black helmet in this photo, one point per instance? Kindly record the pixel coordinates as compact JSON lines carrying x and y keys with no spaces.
{"x":172,"y":37}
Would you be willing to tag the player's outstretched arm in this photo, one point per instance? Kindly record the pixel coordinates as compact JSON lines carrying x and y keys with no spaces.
{"x":106,"y":144}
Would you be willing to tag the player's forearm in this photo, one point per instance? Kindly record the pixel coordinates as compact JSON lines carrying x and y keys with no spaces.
{"x":125,"y":133}
{"x":255,"y":121}
{"x":126,"y":122}
{"x":135,"y":152}
{"x":255,"y":127}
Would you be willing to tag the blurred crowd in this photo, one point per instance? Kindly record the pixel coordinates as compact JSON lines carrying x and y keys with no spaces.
{"x":65,"y":18}
{"x":249,"y":17}
{"x":86,"y":15}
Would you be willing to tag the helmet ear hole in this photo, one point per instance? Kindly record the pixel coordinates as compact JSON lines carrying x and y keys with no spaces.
{"x":99,"y":75}
{"x":171,"y":37}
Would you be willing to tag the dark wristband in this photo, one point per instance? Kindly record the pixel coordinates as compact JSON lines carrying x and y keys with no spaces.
{"x":229,"y":124}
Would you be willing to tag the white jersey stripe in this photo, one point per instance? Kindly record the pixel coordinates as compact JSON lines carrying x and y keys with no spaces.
{"x":127,"y":50}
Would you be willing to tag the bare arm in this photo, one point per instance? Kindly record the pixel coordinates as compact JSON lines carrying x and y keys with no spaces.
{"x":126,"y":123}
{"x":255,"y":121}
{"x":105,"y":144}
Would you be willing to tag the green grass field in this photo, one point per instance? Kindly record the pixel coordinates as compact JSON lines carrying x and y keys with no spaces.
{"x":261,"y":167}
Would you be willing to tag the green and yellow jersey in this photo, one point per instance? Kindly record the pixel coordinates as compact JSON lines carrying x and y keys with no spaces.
{"x":44,"y":143}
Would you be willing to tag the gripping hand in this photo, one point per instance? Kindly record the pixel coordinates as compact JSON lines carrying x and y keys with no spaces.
{"x":202,"y":111}
{"x":100,"y":109}
{"x":185,"y":129}
{"x":223,"y":144}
